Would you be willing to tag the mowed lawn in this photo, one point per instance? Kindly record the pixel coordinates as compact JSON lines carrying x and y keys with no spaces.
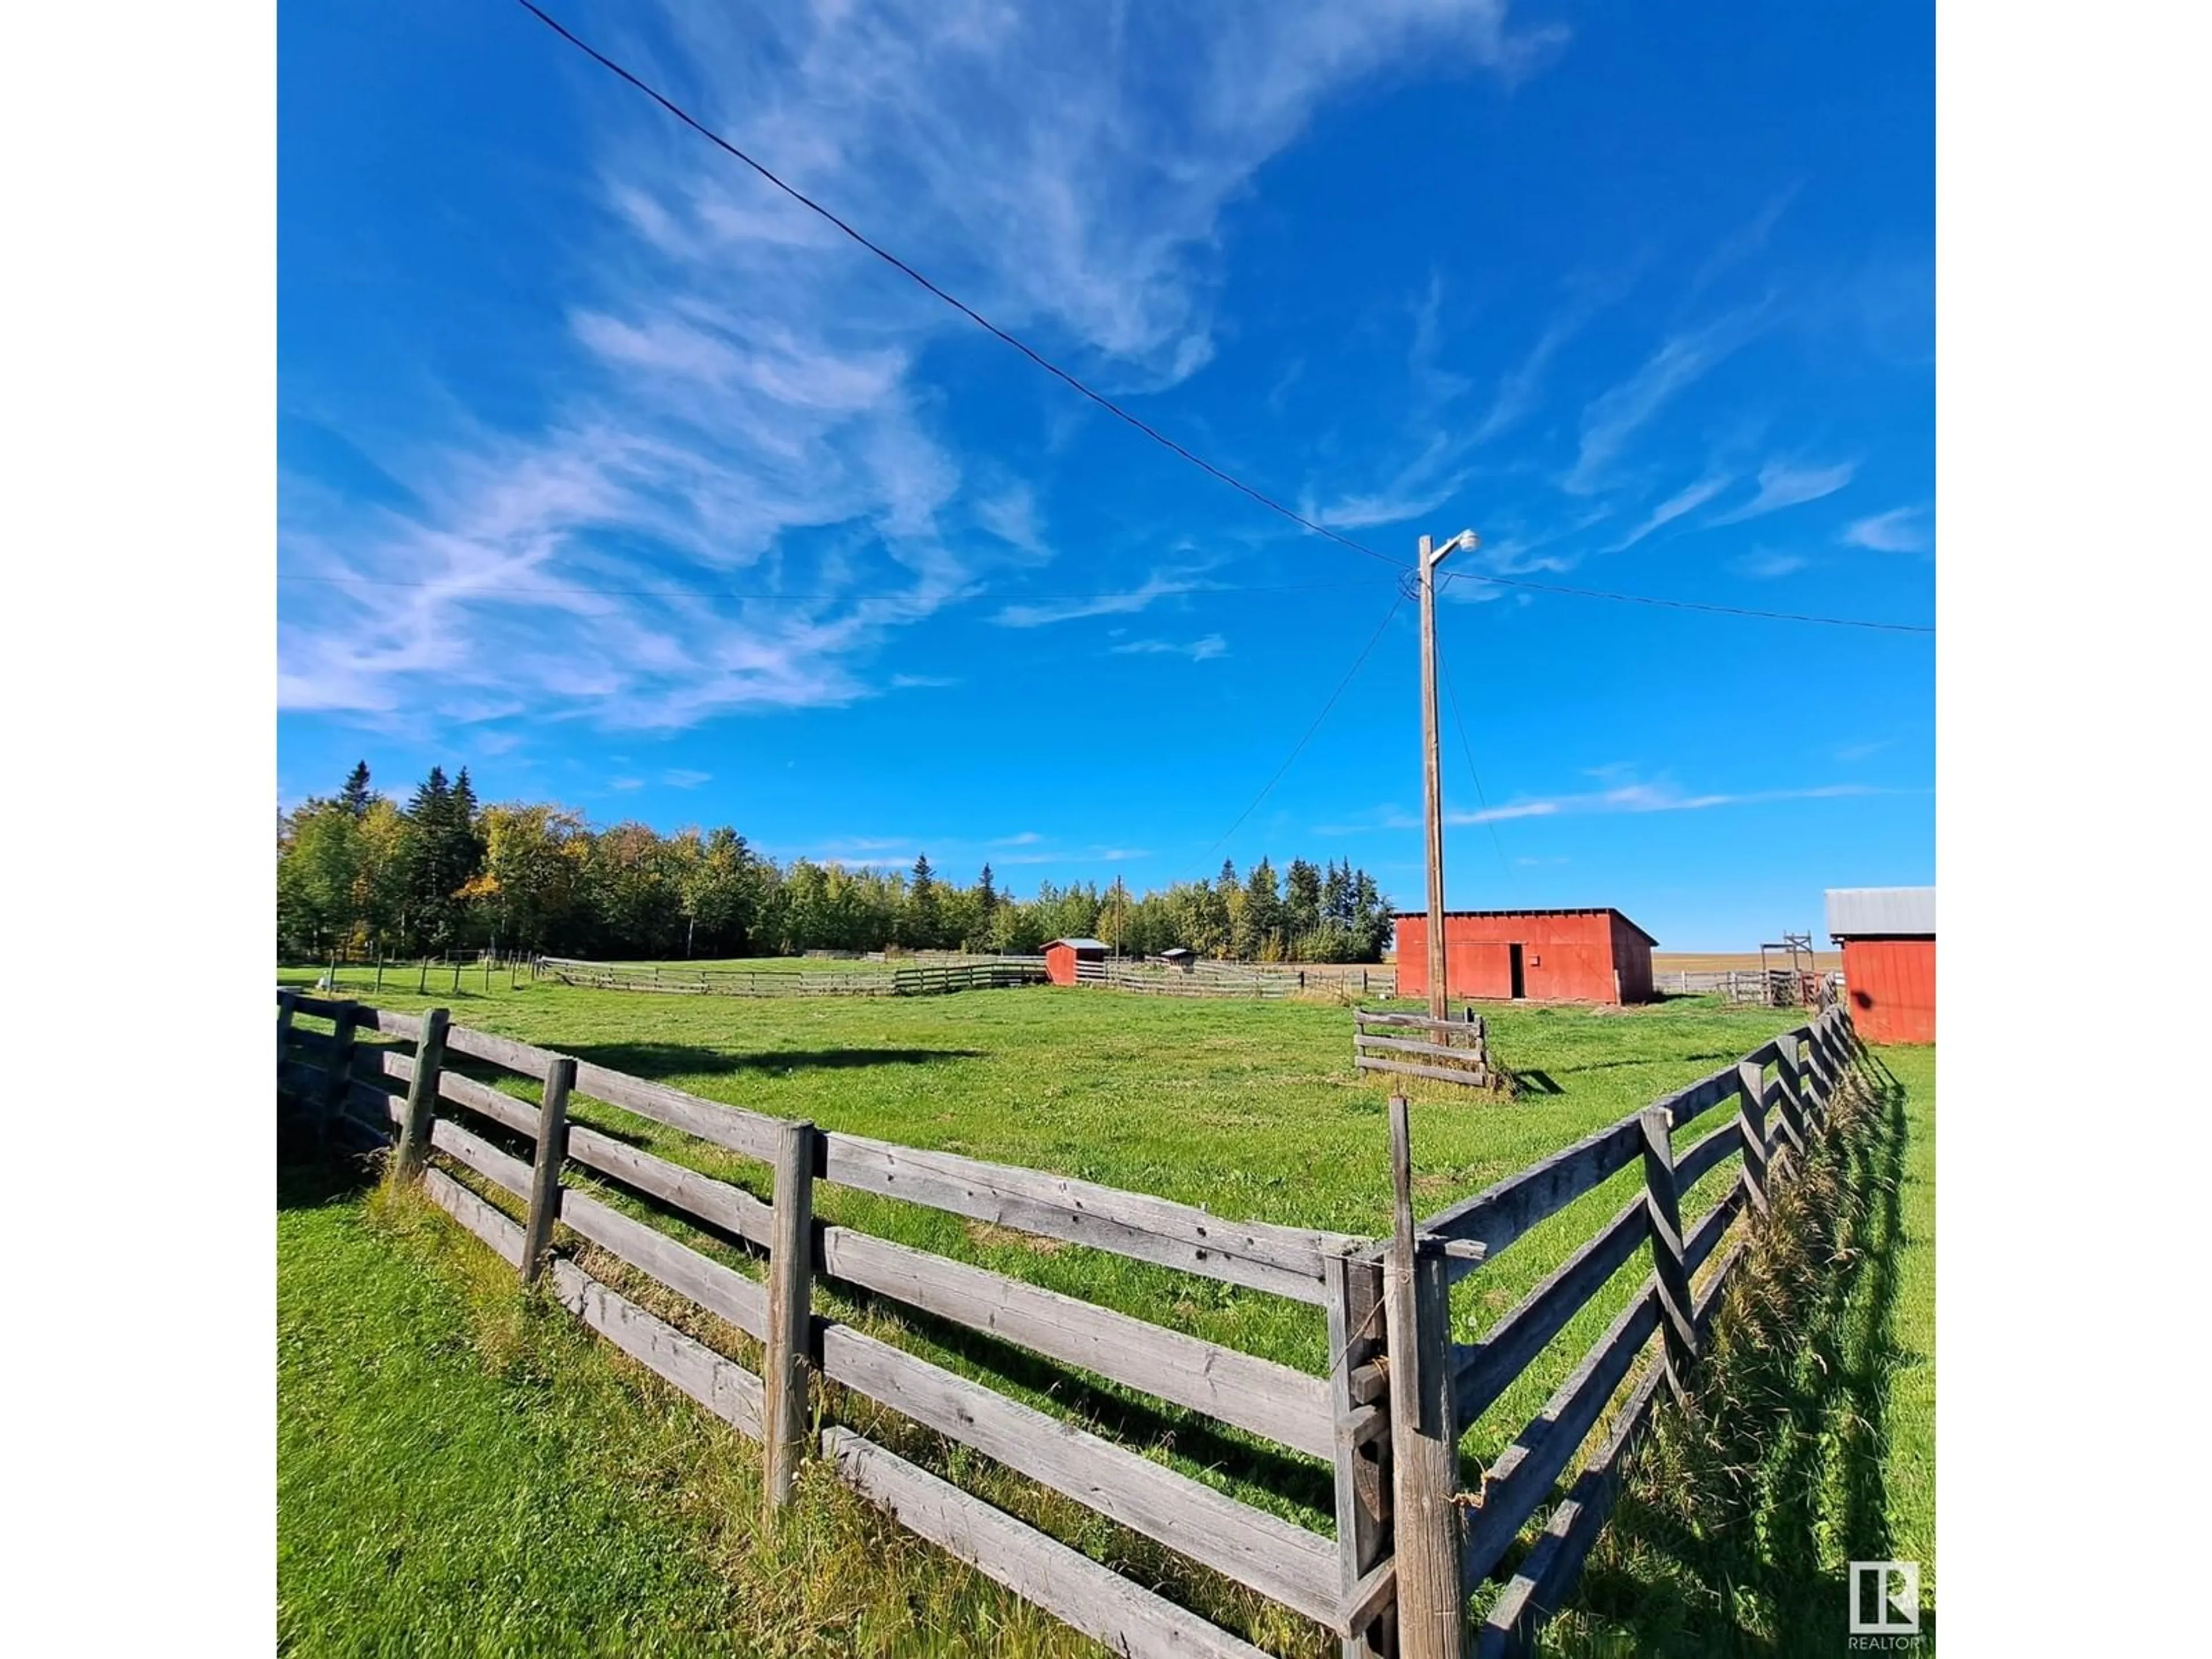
{"x":1251,"y":1110}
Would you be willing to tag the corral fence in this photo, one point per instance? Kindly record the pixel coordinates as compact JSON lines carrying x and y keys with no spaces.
{"x":1208,"y":978}
{"x":1414,"y":1045}
{"x":1381,"y":1421}
{"x":1773,"y":988}
{"x":933,"y":979}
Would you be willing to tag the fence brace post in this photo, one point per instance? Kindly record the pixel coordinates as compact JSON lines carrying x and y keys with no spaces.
{"x":545,"y":1169}
{"x":1354,"y":1287}
{"x":1751,"y":1118}
{"x":422,"y":1096}
{"x":790,"y":1310}
{"x":1423,"y":1438}
{"x":1663,"y":1199}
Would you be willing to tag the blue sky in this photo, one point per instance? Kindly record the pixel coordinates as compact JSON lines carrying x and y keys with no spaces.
{"x":1644,"y":294}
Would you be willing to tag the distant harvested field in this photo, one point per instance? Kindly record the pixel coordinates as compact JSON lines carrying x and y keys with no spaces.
{"x":1722,"y":961}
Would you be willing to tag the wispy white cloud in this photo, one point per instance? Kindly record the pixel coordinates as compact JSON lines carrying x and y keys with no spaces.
{"x":683,"y":778}
{"x":1784,"y":484}
{"x":1026,"y":838}
{"x":922,"y":682}
{"x":1198,"y":650}
{"x":1765,"y":564}
{"x":1158,"y":586}
{"x":1687,"y":500}
{"x":739,"y":391}
{"x":625,"y":784}
{"x":1616,"y":416}
{"x":1898,"y":530}
{"x":1658,"y":797}
{"x":1747,"y":242}
{"x":1859,"y":752}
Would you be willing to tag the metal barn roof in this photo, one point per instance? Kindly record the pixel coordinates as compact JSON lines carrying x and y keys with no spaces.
{"x":1879,"y":912}
{"x":1080,"y":944}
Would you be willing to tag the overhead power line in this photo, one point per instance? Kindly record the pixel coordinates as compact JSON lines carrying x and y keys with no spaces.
{"x":958,"y":305}
{"x":1350,"y":675}
{"x":1686,"y":605}
{"x":1135,"y":422}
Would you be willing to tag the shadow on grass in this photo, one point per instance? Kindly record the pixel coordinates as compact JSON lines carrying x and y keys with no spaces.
{"x":311,"y":1174}
{"x":655,"y":1060}
{"x":1733,"y":1532}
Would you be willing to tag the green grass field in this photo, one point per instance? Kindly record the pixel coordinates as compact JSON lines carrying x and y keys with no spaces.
{"x":552,"y":1484}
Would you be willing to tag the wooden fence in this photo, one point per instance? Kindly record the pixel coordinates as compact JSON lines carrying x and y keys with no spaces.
{"x":1239,"y":979}
{"x":1386,"y":1433}
{"x":1770,"y":1123}
{"x":935,"y":979}
{"x":1413,"y":1045}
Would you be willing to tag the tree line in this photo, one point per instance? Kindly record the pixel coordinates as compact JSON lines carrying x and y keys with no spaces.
{"x":356,"y":872}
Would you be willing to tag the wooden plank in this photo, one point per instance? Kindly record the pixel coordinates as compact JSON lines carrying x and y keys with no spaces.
{"x":373,"y":1108}
{"x":1486,"y":1369}
{"x":1710,"y":1225}
{"x":752,"y":1133}
{"x":1362,"y":1483}
{"x":480,"y":1155}
{"x":721,"y":1385}
{"x":1549,"y":1569}
{"x":699,"y":1196}
{"x":1285,"y":1260}
{"x":1685,"y":1105}
{"x":1069,"y":1585}
{"x":1285,"y":1563}
{"x":319,"y":1047}
{"x":505,"y":1236}
{"x":1700,"y":1160}
{"x":1423,"y":1438}
{"x":1378,"y":1017}
{"x":503,"y":1110}
{"x":790,"y":1310}
{"x":1501,"y":1212}
{"x":722,"y":1291}
{"x":1400,"y":1046}
{"x":545,"y":1168}
{"x":1284,"y":1405}
{"x":372,"y":1060}
{"x":1518,"y":1481}
{"x":319,"y":1007}
{"x":1409,"y":1068}
{"x":391,"y":1023}
{"x":520,"y":1057}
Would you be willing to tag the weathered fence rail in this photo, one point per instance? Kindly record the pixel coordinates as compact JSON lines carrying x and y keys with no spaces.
{"x":506,"y":1167}
{"x":1239,"y":979}
{"x":1414,"y":1045}
{"x":931,"y":979}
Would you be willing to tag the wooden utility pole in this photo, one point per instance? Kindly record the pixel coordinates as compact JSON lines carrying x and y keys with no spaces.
{"x":1431,"y":766}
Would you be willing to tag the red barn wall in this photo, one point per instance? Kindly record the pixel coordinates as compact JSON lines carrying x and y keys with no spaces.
{"x":1060,"y":963}
{"x":1566,"y":957}
{"x":1891,"y":983}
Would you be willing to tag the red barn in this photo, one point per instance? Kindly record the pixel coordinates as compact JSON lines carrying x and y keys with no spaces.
{"x":1062,"y":954}
{"x":1888,"y":936}
{"x":1545,"y":956}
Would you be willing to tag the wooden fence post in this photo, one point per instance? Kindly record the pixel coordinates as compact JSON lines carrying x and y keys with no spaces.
{"x":339,"y":1079}
{"x":1354,"y":1287}
{"x":790,"y":1309}
{"x":422,"y":1094}
{"x":1751,"y":1118}
{"x":422,"y":979}
{"x":1677,"y":1322}
{"x":545,"y":1169}
{"x":1793,"y":1104}
{"x":1423,"y":1438}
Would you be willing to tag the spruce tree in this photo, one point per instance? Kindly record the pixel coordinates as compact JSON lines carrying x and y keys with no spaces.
{"x":357,"y":795}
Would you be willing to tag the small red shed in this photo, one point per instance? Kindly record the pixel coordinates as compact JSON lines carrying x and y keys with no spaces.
{"x":1062,"y":954}
{"x":1888,"y":939}
{"x":1545,"y":956}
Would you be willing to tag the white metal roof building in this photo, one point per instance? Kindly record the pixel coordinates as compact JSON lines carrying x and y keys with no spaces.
{"x":1881,"y":913}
